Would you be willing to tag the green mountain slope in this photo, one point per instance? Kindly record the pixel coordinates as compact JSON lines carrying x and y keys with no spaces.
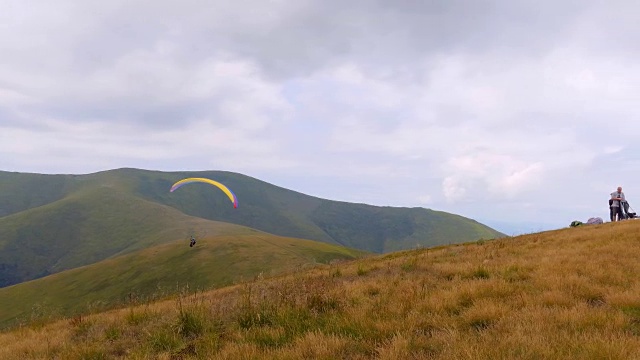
{"x":49,"y":223}
{"x":19,"y":192}
{"x":88,"y":226}
{"x":386,"y":229}
{"x":285,"y":212}
{"x":162,"y":270}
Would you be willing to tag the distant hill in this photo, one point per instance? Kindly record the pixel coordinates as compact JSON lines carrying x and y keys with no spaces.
{"x":163,"y":270}
{"x":289,"y":213}
{"x":51,"y":223}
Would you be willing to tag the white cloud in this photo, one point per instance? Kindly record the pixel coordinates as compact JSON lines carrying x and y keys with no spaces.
{"x":502,"y":175}
{"x":452,"y":190}
{"x":612,"y":149}
{"x":425,"y":199}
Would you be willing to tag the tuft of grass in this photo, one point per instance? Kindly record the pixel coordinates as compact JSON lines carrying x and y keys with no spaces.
{"x":113,"y":333}
{"x":410,"y":264}
{"x":164,"y":340}
{"x":92,"y":354}
{"x":481,"y":273}
{"x":482,"y":315}
{"x":81,"y":326}
{"x":250,"y":314}
{"x":137,"y":317}
{"x":270,"y":337}
{"x":632,"y":314}
{"x":250,"y":317}
{"x":372,"y":290}
{"x":515,"y":273}
{"x":321,"y":303}
{"x":191,"y":322}
{"x":361,"y":270}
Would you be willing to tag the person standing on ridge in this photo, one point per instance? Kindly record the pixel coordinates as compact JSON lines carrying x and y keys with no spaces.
{"x":615,"y":204}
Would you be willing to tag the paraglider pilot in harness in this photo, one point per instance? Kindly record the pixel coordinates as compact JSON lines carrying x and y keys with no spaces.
{"x":193,"y":241}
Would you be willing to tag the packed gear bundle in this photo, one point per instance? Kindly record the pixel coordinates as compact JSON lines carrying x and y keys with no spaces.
{"x":628,"y":211}
{"x":595,"y":221}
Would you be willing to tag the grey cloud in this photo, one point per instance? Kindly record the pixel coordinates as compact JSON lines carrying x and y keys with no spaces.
{"x":295,"y":38}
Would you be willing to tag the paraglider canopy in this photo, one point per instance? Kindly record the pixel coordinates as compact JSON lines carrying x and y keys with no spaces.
{"x":225,"y":189}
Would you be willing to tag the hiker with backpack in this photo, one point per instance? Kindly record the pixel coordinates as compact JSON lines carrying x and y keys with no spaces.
{"x":615,"y":206}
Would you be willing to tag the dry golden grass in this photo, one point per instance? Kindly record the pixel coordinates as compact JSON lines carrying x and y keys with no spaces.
{"x":566,"y":294}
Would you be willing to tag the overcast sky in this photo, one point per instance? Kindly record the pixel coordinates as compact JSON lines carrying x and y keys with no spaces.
{"x":519,"y":114}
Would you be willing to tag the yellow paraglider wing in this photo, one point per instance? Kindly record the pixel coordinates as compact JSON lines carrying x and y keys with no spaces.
{"x":222,"y":187}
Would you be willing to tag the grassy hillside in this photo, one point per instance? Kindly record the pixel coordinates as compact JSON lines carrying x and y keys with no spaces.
{"x":19,"y":192}
{"x":262,"y":206}
{"x":284,"y":212}
{"x":566,"y":294}
{"x":162,"y":270}
{"x":387,"y":229}
{"x":88,"y":226}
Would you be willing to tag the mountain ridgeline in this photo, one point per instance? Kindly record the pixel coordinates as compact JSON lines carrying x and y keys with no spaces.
{"x":51,"y":223}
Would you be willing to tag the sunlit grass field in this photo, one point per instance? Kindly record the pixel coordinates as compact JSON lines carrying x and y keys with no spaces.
{"x":566,"y":294}
{"x":160,"y":272}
